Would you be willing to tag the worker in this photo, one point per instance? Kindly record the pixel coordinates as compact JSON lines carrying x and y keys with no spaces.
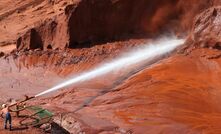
{"x":5,"y":113}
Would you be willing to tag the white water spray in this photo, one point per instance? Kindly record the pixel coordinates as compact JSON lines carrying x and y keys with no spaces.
{"x":148,"y":52}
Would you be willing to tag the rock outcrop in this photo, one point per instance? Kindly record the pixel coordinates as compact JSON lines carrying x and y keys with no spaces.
{"x":91,"y":21}
{"x":207,"y":27}
{"x":85,"y":22}
{"x":52,"y":33}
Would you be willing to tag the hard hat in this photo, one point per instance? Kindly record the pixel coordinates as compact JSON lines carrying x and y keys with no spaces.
{"x":3,"y":105}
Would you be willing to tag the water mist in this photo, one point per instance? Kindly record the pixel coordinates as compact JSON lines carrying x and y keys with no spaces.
{"x":145,"y":53}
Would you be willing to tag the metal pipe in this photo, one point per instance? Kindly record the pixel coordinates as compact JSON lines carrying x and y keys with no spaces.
{"x":21,"y":101}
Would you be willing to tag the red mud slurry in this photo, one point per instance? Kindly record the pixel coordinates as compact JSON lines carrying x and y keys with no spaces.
{"x":179,"y":95}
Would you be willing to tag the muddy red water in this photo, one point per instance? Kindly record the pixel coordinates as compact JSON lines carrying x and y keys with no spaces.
{"x":57,"y":39}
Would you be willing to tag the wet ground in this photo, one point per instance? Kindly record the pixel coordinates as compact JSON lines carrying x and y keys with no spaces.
{"x":179,"y":94}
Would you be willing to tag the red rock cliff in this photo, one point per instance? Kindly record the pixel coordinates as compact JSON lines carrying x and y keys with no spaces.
{"x":89,"y":21}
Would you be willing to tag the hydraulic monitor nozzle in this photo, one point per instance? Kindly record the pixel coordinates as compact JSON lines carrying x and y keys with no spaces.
{"x":26,"y":98}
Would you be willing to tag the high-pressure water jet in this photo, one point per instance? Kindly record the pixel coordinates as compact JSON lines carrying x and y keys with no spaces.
{"x":146,"y":52}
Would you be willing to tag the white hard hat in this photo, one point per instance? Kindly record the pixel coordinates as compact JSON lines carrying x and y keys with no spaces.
{"x":3,"y":105}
